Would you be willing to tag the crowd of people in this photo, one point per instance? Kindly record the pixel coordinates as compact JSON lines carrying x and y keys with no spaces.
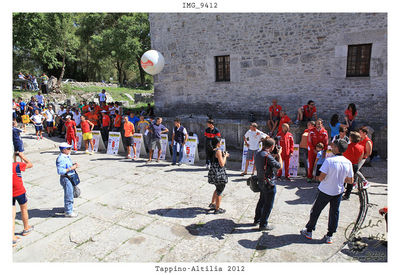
{"x":31,"y":82}
{"x":335,"y":174}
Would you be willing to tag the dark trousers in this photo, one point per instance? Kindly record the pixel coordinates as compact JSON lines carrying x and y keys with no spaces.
{"x":304,"y":158}
{"x":349,"y":186}
{"x":321,"y":201}
{"x":104,"y":134}
{"x":265,"y":204}
{"x":209,"y":154}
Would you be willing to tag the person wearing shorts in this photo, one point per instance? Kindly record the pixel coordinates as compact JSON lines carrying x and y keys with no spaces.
{"x":37,"y":120}
{"x":307,"y":112}
{"x":252,"y":140}
{"x":19,"y":195}
{"x":156,"y":129}
{"x":129,"y":130}
{"x":87,"y":136}
{"x":49,"y":115}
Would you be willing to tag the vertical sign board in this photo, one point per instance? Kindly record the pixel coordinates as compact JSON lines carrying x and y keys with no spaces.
{"x":115,"y":145}
{"x":190,"y":151}
{"x":164,"y":148}
{"x":294,"y":162}
{"x":244,"y":156}
{"x":223,"y":146}
{"x":139,"y":144}
{"x":329,"y":152}
{"x":79,"y":138}
{"x":97,"y":141}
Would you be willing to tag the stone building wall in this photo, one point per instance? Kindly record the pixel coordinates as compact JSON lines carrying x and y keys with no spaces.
{"x":290,"y":56}
{"x":293,"y":57}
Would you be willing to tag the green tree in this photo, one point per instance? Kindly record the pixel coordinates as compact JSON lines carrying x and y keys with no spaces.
{"x":47,"y":38}
{"x":125,"y":38}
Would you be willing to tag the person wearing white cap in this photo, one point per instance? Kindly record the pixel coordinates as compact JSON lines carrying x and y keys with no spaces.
{"x":70,"y":125}
{"x":66,"y":167}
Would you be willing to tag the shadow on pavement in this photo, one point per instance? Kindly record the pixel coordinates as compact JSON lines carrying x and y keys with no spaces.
{"x":268,"y":241}
{"x":186,"y":170}
{"x":219,"y":228}
{"x":56,"y":212}
{"x":184,"y":213}
{"x":50,"y":152}
{"x":152,"y":164}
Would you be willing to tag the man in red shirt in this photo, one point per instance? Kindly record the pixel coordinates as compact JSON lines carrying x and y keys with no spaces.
{"x":367,"y":144}
{"x":105,"y":126}
{"x":307,"y":112}
{"x":284,"y":119}
{"x":316,"y":135}
{"x":287,"y":144}
{"x":19,"y":195}
{"x":274,"y":116}
{"x":354,"y":153}
{"x":70,"y":125}
{"x":117,"y":121}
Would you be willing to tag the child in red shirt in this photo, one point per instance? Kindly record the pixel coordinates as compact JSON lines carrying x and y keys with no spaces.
{"x":70,"y":125}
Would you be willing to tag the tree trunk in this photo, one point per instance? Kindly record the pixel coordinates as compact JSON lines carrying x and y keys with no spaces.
{"x":62,"y":68}
{"x":141,"y":72}
{"x":119,"y":66}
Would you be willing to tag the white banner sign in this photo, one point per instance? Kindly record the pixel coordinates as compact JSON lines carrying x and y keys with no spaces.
{"x":329,"y":152}
{"x":115,"y":145}
{"x":294,"y":162}
{"x":164,"y":148}
{"x":97,"y":141}
{"x":244,"y":156}
{"x":190,"y":152}
{"x":78,"y":138}
{"x":139,"y":144}
{"x":223,"y":146}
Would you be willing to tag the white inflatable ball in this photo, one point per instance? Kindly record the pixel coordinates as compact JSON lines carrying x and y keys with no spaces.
{"x":152,"y":62}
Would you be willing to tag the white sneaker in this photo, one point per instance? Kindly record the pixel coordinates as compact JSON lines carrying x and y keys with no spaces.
{"x":91,"y":152}
{"x":365,"y":184}
{"x":207,"y":166}
{"x":71,"y":215}
{"x":87,"y":152}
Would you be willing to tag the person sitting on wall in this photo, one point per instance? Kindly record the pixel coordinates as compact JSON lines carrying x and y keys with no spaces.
{"x":274,"y":116}
{"x":307,"y":112}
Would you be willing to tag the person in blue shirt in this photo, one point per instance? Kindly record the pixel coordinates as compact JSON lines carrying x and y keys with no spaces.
{"x":17,"y":141}
{"x":319,"y":160}
{"x":66,"y":167}
{"x":133,"y":118}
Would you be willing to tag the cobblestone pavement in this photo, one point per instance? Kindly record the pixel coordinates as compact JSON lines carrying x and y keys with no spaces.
{"x":133,"y":212}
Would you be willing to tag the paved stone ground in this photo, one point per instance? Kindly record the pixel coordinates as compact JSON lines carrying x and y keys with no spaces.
{"x":133,"y":212}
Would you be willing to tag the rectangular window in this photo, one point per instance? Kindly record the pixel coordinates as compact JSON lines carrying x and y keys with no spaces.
{"x":223,"y":72}
{"x":358,"y":60}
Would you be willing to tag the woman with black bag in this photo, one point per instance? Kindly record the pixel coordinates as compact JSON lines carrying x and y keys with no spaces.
{"x":217,"y":175}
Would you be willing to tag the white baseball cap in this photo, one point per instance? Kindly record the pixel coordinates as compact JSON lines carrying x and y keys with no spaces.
{"x":68,"y":116}
{"x":64,"y":145}
{"x":104,"y":111}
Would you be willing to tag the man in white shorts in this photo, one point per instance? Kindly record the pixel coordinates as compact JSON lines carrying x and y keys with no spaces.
{"x":252,"y":140}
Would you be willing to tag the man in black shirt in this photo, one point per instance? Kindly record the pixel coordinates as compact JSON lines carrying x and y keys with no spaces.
{"x":267,"y":166}
{"x":210,"y":133}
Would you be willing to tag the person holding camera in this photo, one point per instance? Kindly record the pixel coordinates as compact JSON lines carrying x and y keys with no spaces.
{"x":217,"y":175}
{"x":66,"y":168}
{"x":335,"y":171}
{"x":267,"y":162}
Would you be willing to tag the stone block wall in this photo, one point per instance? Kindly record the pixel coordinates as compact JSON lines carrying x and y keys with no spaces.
{"x":293,"y":57}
